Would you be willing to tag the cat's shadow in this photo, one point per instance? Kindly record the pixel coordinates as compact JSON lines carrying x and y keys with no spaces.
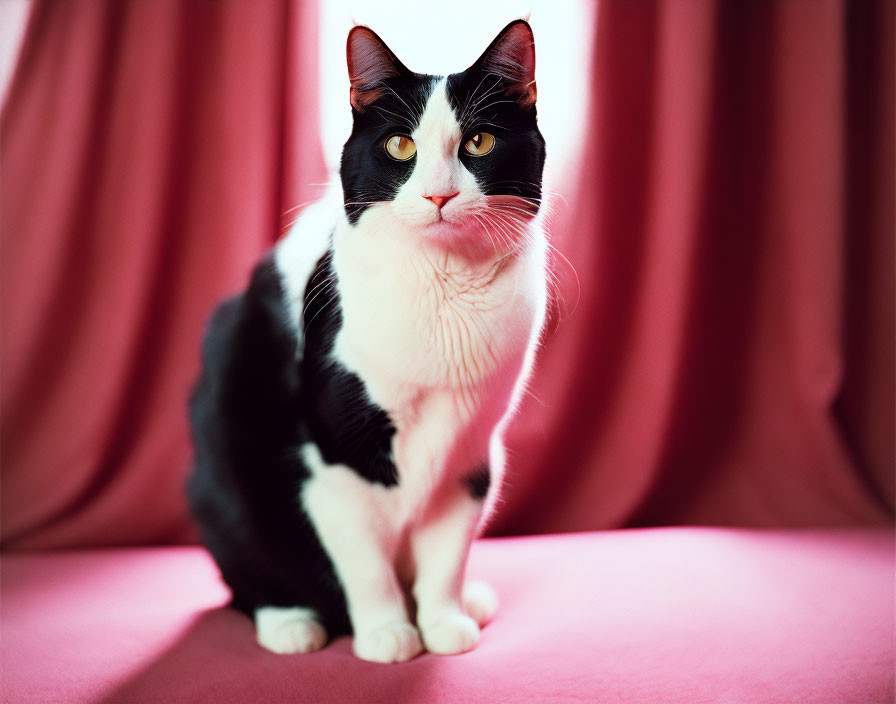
{"x":216,"y":659}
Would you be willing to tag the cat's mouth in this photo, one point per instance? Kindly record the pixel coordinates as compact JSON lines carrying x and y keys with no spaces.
{"x":443,"y":226}
{"x":476,"y":236}
{"x":494,"y":225}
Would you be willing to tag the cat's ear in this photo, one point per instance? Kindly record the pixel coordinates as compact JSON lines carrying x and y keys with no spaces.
{"x":512,"y":57}
{"x":370,"y":62}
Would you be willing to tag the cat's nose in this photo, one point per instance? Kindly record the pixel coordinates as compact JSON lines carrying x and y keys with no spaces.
{"x":440,"y":200}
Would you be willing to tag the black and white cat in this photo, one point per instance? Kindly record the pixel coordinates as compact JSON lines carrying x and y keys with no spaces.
{"x":349,"y":415}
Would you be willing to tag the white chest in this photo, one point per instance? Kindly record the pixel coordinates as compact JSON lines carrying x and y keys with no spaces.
{"x":418,"y":320}
{"x":439,"y":343}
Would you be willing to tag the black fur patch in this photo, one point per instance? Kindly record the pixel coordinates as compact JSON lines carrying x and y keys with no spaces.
{"x":478,"y":481}
{"x":244,"y":492}
{"x":369,"y":174}
{"x":254,"y":406}
{"x":515,"y":164}
{"x":347,"y":428}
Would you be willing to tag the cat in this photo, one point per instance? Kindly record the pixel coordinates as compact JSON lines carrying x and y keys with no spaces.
{"x":349,"y":414}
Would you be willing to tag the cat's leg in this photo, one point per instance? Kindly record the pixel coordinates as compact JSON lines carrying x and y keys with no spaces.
{"x":352,"y":519}
{"x":440,"y":545}
{"x":289,"y":630}
{"x":480,"y":601}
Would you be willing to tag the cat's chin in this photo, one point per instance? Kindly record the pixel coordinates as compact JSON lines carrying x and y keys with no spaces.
{"x":449,"y":229}
{"x":464,"y":238}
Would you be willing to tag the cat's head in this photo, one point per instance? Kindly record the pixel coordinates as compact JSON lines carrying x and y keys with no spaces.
{"x":456,"y":160}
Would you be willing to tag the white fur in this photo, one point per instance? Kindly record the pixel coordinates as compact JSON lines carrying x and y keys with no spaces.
{"x":437,"y":171}
{"x":289,"y":630}
{"x":297,"y":254}
{"x":358,"y":524}
{"x":441,"y":323}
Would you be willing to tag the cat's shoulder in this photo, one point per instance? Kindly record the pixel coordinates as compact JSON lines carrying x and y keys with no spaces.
{"x":297,"y":255}
{"x":269,"y":309}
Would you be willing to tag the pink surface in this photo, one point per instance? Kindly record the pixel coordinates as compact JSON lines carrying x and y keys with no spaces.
{"x":661,"y":615}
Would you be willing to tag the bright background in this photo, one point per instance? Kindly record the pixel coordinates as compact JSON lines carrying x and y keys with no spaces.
{"x":443,"y":42}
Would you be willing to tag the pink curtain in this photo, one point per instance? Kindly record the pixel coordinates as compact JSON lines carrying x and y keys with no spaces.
{"x":731,"y":357}
{"x":149,"y":151}
{"x":729,"y":360}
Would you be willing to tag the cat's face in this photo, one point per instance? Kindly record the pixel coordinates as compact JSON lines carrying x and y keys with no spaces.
{"x":457,"y":159}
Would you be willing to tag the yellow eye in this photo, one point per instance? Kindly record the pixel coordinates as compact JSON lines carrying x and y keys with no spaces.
{"x":401,"y":148}
{"x":480,"y":144}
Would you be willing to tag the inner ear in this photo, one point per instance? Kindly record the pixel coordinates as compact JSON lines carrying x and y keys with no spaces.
{"x":511,"y":56}
{"x":370,"y":62}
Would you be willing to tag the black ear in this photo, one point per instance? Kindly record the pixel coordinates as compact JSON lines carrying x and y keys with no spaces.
{"x":512,"y":57}
{"x":370,"y":62}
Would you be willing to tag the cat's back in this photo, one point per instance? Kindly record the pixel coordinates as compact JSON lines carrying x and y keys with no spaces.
{"x":246,"y":405}
{"x":247,"y":412}
{"x":236,"y":412}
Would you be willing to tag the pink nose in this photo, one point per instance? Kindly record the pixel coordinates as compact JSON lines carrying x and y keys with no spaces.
{"x":440,"y":200}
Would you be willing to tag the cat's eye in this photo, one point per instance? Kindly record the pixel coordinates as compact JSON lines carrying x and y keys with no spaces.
{"x":480,"y":144}
{"x":400,"y":147}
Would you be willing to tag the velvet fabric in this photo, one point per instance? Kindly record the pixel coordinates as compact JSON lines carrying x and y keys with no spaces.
{"x":668,"y":615}
{"x":151,"y":152}
{"x":726,"y":357}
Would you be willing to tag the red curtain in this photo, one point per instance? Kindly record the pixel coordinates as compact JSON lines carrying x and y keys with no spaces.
{"x":149,"y":151}
{"x":730,"y":356}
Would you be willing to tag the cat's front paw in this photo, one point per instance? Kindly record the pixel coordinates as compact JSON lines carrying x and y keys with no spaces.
{"x":394,"y":642}
{"x":297,"y":635}
{"x":451,"y":634}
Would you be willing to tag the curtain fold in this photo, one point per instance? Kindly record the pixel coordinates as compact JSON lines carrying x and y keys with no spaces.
{"x":731,"y":358}
{"x":149,"y":152}
{"x":723,"y":352}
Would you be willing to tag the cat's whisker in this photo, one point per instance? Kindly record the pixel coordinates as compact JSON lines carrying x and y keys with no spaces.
{"x":307,"y":202}
{"x":470,"y":100}
{"x":469,"y":118}
{"x":326,"y":289}
{"x":503,"y":236}
{"x":574,"y":273}
{"x":393,"y":92}
{"x":296,"y":207}
{"x":313,"y":317}
{"x":528,"y":209}
{"x":473,"y":105}
{"x":487,"y":233}
{"x":405,"y":121}
{"x":487,"y":106}
{"x":555,"y":277}
{"x":512,"y":228}
{"x":324,"y":281}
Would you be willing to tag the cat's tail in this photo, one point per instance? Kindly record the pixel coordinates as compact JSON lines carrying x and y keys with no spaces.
{"x":480,"y":601}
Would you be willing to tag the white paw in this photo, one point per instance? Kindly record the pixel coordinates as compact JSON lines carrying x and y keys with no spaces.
{"x":288,"y":631}
{"x":480,"y":602}
{"x":451,"y":634}
{"x":394,"y":642}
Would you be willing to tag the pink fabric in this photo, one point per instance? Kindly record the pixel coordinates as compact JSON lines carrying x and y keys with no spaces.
{"x":663,"y":615}
{"x":150,"y":152}
{"x":731,"y":356}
